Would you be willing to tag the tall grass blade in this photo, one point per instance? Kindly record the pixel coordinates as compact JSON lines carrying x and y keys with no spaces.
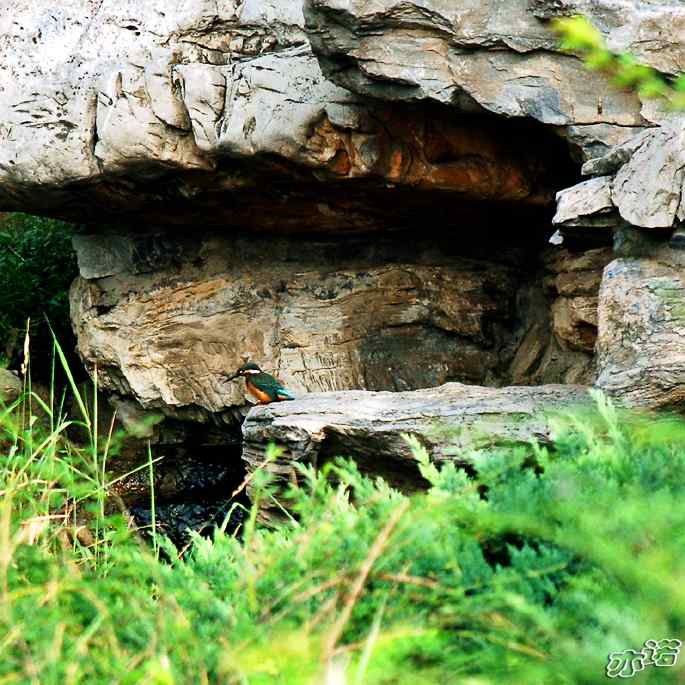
{"x":72,"y":383}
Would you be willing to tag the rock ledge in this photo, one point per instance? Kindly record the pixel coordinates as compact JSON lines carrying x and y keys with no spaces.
{"x":369,"y":425}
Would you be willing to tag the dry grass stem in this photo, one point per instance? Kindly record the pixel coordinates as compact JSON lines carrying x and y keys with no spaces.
{"x":376,"y":550}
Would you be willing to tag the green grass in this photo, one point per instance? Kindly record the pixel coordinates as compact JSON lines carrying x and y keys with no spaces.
{"x":533,"y":572}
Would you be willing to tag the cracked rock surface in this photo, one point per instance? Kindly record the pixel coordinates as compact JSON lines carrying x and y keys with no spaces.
{"x":369,"y":426}
{"x":166,"y":317}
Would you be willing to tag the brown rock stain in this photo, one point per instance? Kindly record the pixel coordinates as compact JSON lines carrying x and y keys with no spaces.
{"x":433,"y":150}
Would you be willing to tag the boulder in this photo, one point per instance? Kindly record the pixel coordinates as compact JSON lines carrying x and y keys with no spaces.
{"x":649,"y":189}
{"x":616,"y":157}
{"x":10,"y":386}
{"x":642,"y":184}
{"x":449,"y":420}
{"x":588,"y":199}
{"x":640,"y":354}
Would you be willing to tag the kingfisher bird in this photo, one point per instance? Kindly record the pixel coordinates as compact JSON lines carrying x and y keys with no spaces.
{"x":261,"y":385}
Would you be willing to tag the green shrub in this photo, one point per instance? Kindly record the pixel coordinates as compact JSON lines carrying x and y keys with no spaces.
{"x":37,"y":266}
{"x":533,"y":572}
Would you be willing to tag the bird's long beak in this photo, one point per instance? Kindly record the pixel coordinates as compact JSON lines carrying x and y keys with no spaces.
{"x":232,"y":377}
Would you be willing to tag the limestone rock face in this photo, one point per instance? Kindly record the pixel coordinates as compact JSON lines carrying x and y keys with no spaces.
{"x":576,"y":284}
{"x":369,"y":426}
{"x":357,"y":194}
{"x":640,"y":353}
{"x":165,"y":317}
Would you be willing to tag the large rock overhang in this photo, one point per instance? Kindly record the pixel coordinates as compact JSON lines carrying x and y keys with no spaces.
{"x":407,"y":165}
{"x":197,"y":114}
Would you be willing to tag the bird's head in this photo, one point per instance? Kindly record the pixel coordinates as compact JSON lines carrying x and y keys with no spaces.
{"x":245,"y":370}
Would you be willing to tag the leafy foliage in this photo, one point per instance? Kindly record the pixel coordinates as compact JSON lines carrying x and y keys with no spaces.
{"x":532,"y":572}
{"x":580,"y":36}
{"x":37,"y":266}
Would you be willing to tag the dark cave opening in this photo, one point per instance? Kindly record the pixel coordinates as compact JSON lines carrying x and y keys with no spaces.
{"x":199,"y":470}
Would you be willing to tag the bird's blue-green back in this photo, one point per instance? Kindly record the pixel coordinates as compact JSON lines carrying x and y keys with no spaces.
{"x":268,"y":384}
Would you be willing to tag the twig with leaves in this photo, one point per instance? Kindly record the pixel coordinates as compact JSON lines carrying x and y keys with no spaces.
{"x":579,"y":36}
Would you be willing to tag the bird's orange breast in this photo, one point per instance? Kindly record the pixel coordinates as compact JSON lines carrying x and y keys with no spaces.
{"x":261,"y":396}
